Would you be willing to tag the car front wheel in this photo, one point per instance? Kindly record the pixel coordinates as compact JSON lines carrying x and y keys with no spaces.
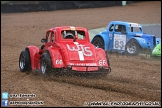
{"x":98,"y":42}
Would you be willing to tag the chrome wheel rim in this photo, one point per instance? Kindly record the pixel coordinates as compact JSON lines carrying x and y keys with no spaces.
{"x":43,"y":66}
{"x":131,"y":48}
{"x":22,"y":62}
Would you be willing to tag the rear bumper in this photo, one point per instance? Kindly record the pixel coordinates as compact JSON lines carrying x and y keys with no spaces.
{"x":89,"y":69}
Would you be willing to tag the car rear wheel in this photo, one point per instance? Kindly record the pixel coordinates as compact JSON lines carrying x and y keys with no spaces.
{"x":24,"y":61}
{"x":98,"y":42}
{"x":132,"y":47}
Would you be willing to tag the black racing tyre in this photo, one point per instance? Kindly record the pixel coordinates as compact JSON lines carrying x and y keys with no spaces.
{"x":132,"y":47}
{"x":46,"y":64}
{"x":42,"y":47}
{"x":98,"y":42}
{"x":24,"y":61}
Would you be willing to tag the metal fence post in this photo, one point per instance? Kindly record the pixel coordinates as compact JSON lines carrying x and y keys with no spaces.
{"x":124,"y":3}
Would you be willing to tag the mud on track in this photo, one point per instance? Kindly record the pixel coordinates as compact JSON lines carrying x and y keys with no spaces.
{"x":133,"y":78}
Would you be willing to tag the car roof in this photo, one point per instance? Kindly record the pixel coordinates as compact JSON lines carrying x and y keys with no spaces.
{"x":68,"y":28}
{"x":125,"y":22}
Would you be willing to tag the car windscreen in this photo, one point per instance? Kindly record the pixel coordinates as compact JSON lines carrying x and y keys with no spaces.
{"x":71,"y":34}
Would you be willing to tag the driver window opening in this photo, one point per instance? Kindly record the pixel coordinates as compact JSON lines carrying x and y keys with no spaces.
{"x":111,"y":27}
{"x":120,"y":28}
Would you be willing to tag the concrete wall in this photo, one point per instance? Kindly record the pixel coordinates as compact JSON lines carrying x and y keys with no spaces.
{"x":14,"y":7}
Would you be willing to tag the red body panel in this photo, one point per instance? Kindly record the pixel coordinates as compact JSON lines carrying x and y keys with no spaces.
{"x":77,"y":54}
{"x":34,"y":56}
{"x":56,"y":58}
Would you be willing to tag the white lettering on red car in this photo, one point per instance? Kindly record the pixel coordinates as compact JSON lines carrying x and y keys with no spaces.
{"x":82,"y":50}
{"x":102,"y":62}
{"x":83,"y":64}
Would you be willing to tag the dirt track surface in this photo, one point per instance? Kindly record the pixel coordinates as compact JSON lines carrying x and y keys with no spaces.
{"x":132,"y":79}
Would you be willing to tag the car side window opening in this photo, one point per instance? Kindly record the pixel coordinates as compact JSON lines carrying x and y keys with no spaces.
{"x":135,"y":29}
{"x":123,"y":28}
{"x":48,"y":37}
{"x":111,"y":27}
{"x":53,"y":37}
{"x":120,"y":28}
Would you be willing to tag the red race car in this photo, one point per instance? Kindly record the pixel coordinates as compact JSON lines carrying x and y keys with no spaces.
{"x":65,"y":49}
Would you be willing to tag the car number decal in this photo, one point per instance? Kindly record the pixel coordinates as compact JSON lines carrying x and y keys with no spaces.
{"x":102,"y":62}
{"x":119,"y":42}
{"x":59,"y":62}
